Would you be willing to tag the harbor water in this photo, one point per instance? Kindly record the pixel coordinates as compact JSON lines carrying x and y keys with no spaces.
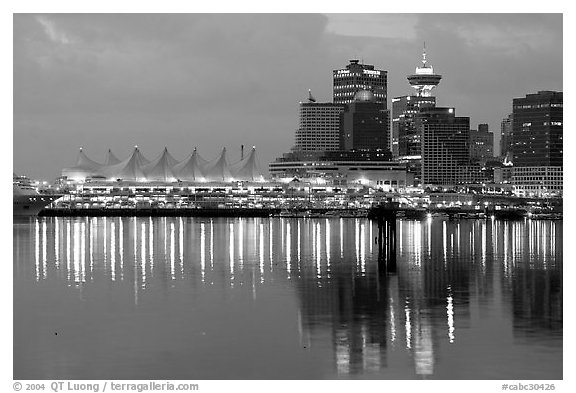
{"x":285,"y":298}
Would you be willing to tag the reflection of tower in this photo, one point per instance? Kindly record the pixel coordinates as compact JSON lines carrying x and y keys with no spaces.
{"x":424,"y":79}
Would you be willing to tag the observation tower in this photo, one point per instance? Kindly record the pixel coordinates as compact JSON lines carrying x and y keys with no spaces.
{"x":424,"y":80}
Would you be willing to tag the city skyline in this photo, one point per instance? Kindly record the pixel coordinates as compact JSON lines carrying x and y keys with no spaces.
{"x":181,"y":81}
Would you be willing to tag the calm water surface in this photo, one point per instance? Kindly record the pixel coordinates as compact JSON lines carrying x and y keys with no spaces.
{"x":200,"y":298}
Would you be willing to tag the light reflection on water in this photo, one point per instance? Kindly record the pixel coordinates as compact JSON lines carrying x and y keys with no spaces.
{"x":194,"y":298}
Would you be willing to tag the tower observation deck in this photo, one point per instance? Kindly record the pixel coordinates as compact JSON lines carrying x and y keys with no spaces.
{"x":424,"y":79}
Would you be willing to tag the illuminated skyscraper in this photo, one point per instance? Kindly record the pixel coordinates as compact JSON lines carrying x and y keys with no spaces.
{"x":445,"y":149}
{"x":406,"y":138}
{"x":537,"y":150}
{"x":355,"y":77}
{"x":506,"y":136}
{"x":537,"y":129}
{"x":319,"y":127}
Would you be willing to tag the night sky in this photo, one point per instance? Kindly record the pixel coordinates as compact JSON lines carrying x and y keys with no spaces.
{"x":222,"y":80}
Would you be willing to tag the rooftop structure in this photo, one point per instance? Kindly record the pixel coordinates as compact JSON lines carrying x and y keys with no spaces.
{"x":164,"y":168}
{"x":424,"y":79}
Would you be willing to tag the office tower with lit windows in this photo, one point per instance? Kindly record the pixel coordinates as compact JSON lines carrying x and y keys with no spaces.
{"x":319,"y":126}
{"x":406,"y":138}
{"x":481,"y":144}
{"x":537,"y":150}
{"x":537,"y":129}
{"x":445,"y":148}
{"x":506,"y":137}
{"x":355,"y":77}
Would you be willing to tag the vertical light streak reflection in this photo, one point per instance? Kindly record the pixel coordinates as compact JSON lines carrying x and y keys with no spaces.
{"x":68,"y":251}
{"x":400,"y":228}
{"x":181,"y":246}
{"x":270,"y":242}
{"x":473,"y":239}
{"x":392,"y":322}
{"x":407,"y":325}
{"x":83,"y":251}
{"x":341,"y":237}
{"x":327,"y":234}
{"x":231,"y":252}
{"x":151,"y":246}
{"x":143,"y":255}
{"x":450,"y":315}
{"x":76,"y":252}
{"x":135,"y":264}
{"x":429,"y":228}
{"x":506,"y":247}
{"x":241,"y":242}
{"x":37,"y":249}
{"x":494,"y":235}
{"x":203,"y":250}
{"x":57,"y":245}
{"x":318,"y":245}
{"x":363,"y":248}
{"x":357,"y":239}
{"x":211,"y":244}
{"x":416,"y":234}
{"x":113,"y":251}
{"x":105,"y":244}
{"x":299,"y":235}
{"x":288,"y":248}
{"x":444,"y":246}
{"x":121,"y":249}
{"x":483,"y":231}
{"x":172,"y":247}
{"x":91,"y":247}
{"x":261,"y":251}
{"x":44,"y":258}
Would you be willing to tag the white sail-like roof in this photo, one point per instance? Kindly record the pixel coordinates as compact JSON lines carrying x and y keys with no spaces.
{"x":247,"y":169}
{"x":111,"y":159}
{"x":218,"y":169}
{"x":161,"y":168}
{"x":129,"y":169}
{"x":84,"y":167}
{"x":190,"y":168}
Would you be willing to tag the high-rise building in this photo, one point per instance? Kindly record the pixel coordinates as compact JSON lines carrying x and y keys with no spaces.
{"x":481,"y":144}
{"x":506,"y":137}
{"x":444,"y":145}
{"x":319,"y":127}
{"x":355,"y":77}
{"x":537,"y":129}
{"x":537,"y":147}
{"x":364,"y":124}
{"x":405,"y":136}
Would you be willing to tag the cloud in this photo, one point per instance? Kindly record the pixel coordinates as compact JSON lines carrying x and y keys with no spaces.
{"x":52,"y":31}
{"x":398,"y":26}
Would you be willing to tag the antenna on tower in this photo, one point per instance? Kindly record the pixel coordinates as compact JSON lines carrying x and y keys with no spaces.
{"x":424,"y":54}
